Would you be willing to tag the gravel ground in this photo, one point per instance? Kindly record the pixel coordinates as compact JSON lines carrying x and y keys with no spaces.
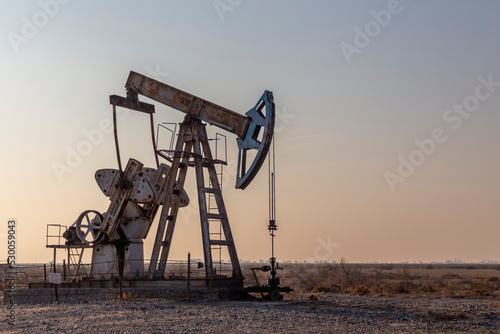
{"x":328,"y":314}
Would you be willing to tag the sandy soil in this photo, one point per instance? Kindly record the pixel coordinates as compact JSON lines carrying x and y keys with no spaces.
{"x":331,"y":313}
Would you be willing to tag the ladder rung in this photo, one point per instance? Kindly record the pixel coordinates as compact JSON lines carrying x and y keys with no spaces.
{"x":219,"y":242}
{"x":214,"y":216}
{"x":207,"y":163}
{"x":210,"y":190}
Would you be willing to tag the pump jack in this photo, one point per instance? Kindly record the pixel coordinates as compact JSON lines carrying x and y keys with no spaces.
{"x":136,"y":192}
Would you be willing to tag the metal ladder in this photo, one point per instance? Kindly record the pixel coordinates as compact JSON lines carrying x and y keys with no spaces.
{"x":215,"y":225}
{"x":205,"y":160}
{"x":75,"y":262}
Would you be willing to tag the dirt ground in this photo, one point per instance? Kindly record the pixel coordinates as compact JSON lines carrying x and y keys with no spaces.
{"x":328,"y":298}
{"x":331,"y":313}
{"x":400,"y":280}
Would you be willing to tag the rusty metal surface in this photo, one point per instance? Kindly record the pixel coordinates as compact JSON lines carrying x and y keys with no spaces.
{"x":124,"y":102}
{"x":189,"y":104}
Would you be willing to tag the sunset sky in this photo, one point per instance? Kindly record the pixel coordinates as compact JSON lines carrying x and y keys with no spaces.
{"x":387,"y":140}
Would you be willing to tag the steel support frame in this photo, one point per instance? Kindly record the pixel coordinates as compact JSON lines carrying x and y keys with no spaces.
{"x":191,"y":143}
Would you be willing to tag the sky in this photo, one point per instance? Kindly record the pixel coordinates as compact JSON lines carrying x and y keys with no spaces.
{"x":386,"y":130}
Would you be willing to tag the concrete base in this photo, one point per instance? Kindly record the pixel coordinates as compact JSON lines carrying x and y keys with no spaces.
{"x":142,"y":283}
{"x":105,"y":262}
{"x":77,"y":295}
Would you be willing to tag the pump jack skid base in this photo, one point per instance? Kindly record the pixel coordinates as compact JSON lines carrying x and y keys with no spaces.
{"x":273,"y":293}
{"x":272,"y":289}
